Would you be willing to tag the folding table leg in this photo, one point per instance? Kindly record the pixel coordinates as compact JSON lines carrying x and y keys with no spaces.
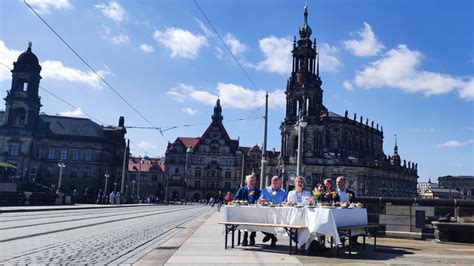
{"x":350,"y":242}
{"x":226,"y":233}
{"x":375,"y":240}
{"x":238,"y":238}
{"x":291,"y":243}
{"x":233,"y":231}
{"x":363,"y":246}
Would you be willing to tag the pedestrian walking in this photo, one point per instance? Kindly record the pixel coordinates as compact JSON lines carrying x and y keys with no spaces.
{"x":112,"y":197}
{"x":117,"y":198}
{"x":220,"y":200}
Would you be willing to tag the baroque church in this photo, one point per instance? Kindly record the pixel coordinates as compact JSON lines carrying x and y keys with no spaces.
{"x":35,"y":142}
{"x":334,"y":144}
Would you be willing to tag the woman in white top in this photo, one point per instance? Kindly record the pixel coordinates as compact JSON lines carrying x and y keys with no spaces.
{"x":298,"y":194}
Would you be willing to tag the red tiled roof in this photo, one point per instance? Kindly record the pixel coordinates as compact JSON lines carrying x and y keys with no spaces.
{"x":134,"y":164}
{"x":189,"y":142}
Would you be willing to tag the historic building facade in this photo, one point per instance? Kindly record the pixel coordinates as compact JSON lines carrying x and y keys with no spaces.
{"x":333,"y":144}
{"x":35,"y":143}
{"x":197,"y":168}
{"x":462,"y":184}
{"x":145,"y":178}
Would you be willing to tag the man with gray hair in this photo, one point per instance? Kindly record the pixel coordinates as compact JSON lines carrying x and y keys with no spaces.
{"x":251,"y":194}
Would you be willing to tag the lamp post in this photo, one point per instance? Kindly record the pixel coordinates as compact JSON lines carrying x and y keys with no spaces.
{"x":186,"y":172}
{"x":115,"y":186}
{"x":106,"y":181}
{"x":139,"y":176}
{"x":61,"y":165}
{"x":133,"y":189}
{"x":300,"y":126}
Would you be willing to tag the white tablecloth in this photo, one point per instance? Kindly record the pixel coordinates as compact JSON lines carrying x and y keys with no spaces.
{"x":317,"y":221}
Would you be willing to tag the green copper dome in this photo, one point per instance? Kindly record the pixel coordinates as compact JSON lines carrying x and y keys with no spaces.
{"x":305,"y":29}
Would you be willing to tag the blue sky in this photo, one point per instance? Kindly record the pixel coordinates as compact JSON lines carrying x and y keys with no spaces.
{"x":406,"y":65}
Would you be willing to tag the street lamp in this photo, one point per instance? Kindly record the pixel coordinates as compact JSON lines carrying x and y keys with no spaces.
{"x":133,"y":189}
{"x":186,"y":172}
{"x":106,"y":181}
{"x":115,"y":186}
{"x":61,"y":165}
{"x":300,"y":126}
{"x":139,"y":176}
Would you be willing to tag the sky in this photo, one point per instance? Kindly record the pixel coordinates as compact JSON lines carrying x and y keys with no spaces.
{"x":406,"y":65}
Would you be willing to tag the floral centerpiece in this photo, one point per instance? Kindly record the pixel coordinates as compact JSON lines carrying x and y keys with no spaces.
{"x":333,"y":195}
{"x":316,"y":195}
{"x":273,"y":197}
{"x":349,"y":196}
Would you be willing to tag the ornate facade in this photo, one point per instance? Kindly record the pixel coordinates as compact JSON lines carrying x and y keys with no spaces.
{"x":333,"y":144}
{"x":36,"y":142}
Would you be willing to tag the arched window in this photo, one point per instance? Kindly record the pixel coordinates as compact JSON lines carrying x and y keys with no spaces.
{"x":20,"y":117}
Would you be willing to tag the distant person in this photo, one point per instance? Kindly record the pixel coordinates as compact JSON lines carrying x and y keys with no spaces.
{"x":112,"y":197}
{"x":251,"y":194}
{"x":117,"y":198}
{"x":299,"y":194}
{"x":228,"y":198}
{"x":211,"y":202}
{"x":99,"y":197}
{"x":220,"y":200}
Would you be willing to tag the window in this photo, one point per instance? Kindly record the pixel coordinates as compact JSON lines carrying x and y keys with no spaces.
{"x":198,"y":173}
{"x":49,"y":171}
{"x":88,"y":156}
{"x":15,"y":149}
{"x":51,"y":154}
{"x":63,"y":154}
{"x":75,"y":155}
{"x":197,"y":184}
{"x":212,"y":184}
{"x":227,"y":174}
{"x":87,"y":172}
{"x":74,"y":172}
{"x":154,"y":178}
{"x":176,"y":170}
{"x":227,"y":185}
{"x":213,"y":173}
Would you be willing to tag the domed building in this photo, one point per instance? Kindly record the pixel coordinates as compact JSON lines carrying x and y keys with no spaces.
{"x":333,"y":144}
{"x":35,"y":142}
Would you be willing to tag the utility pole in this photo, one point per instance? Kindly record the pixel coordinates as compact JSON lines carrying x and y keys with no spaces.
{"x":125,"y":153}
{"x":263,"y":174}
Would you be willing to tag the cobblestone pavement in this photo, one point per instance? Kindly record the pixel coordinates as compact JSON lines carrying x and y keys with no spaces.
{"x":89,"y":236}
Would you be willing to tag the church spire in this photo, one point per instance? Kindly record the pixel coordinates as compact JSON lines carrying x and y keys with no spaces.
{"x":217,"y":116}
{"x":305,"y":29}
{"x":395,"y":148}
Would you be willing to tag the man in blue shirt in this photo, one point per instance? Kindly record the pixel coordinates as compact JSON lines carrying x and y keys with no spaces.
{"x":249,"y":193}
{"x":275,"y":195}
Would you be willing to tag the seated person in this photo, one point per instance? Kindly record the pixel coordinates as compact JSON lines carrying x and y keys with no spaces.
{"x":249,"y":193}
{"x":329,"y":194}
{"x":298,"y":194}
{"x":273,"y":194}
{"x":344,"y":194}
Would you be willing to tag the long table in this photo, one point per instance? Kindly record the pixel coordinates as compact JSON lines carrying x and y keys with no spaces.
{"x":317,"y":221}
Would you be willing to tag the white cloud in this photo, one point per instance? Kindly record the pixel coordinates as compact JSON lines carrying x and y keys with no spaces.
{"x":189,"y":111}
{"x":328,"y":60}
{"x":347,"y":85}
{"x":51,"y":69}
{"x":7,"y":57}
{"x":145,"y":145}
{"x":182,"y":43}
{"x":235,"y":46}
{"x":76,"y":113}
{"x":231,"y":96}
{"x":113,"y":11}
{"x":455,"y":144}
{"x":117,"y":39}
{"x":147,"y":48}
{"x":56,"y":70}
{"x":367,"y":45}
{"x":183,"y":92}
{"x":277,"y":53}
{"x":45,"y":6}
{"x":203,"y":27}
{"x":398,"y":68}
{"x":422,"y":130}
{"x":278,"y":57}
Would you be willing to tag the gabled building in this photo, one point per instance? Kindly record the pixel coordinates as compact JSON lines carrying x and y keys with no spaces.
{"x":145,"y":178}
{"x":35,"y":142}
{"x":197,"y":168}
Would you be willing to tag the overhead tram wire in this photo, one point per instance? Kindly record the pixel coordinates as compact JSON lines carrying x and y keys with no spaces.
{"x":93,"y":70}
{"x":62,"y":100}
{"x":228,"y":50}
